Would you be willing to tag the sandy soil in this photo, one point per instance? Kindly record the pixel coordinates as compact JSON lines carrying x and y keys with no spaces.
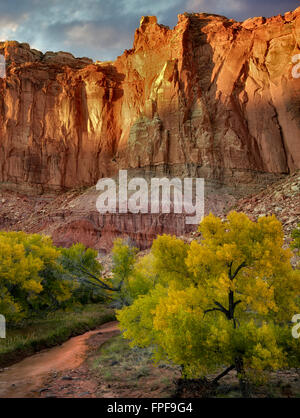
{"x":28,"y":378}
{"x":65,"y":372}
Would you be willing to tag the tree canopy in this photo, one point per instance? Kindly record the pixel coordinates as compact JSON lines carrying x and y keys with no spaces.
{"x":37,"y":277}
{"x":226,"y":299}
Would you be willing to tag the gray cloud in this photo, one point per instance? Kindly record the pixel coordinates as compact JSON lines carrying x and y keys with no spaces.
{"x":243,"y":9}
{"x":102,"y":29}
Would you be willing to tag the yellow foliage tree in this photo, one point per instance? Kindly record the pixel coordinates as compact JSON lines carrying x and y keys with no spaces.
{"x":224,"y":300}
{"x":31,"y":278}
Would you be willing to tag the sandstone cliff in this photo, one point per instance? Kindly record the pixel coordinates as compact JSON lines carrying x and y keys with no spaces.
{"x":211,"y":97}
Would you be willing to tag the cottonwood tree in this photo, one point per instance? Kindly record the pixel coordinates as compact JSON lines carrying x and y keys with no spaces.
{"x":225,"y":300}
{"x":31,"y":277}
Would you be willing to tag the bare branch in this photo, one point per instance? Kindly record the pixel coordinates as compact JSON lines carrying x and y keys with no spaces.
{"x":232,"y":277}
{"x":224,"y":310}
{"x":101,"y":284}
{"x":236,"y":303}
{"x":212,"y":310}
{"x":220,"y":308}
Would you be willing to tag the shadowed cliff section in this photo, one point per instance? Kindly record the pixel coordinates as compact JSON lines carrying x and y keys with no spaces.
{"x":211,"y":97}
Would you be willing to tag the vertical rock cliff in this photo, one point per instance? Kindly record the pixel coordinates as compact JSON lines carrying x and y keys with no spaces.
{"x":212,"y":97}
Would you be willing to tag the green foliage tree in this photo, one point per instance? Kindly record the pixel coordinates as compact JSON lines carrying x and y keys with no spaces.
{"x":123,"y":261}
{"x":224,"y":300}
{"x":82,"y":269}
{"x":81,"y":264}
{"x":142,"y":278}
{"x":296,"y":238}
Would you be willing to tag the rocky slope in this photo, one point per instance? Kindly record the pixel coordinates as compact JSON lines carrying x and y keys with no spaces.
{"x":211,"y":97}
{"x":281,"y":199}
{"x":72,"y":216}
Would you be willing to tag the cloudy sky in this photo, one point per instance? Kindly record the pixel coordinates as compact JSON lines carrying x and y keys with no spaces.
{"x":102,"y":29}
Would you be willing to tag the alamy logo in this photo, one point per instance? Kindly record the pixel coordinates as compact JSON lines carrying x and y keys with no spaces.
{"x":164,"y":196}
{"x":296,"y":328}
{"x":2,"y":327}
{"x":2,"y":67}
{"x":296,"y":68}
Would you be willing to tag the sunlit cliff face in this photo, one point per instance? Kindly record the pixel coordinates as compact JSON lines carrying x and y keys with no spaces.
{"x":211,"y":97}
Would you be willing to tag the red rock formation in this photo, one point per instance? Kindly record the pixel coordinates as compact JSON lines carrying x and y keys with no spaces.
{"x":211,"y":97}
{"x":72,"y":217}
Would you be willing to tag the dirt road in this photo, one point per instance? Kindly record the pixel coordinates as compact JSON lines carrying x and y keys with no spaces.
{"x":26,"y":378}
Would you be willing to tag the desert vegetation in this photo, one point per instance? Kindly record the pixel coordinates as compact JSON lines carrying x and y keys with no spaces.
{"x":191,"y":312}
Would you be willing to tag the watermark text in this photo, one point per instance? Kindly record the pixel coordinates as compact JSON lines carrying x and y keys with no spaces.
{"x":162,"y":195}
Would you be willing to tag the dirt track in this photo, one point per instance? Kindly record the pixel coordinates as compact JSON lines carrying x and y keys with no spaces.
{"x":27,"y":378}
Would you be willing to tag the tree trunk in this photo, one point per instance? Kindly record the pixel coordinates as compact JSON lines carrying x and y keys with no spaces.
{"x":244,"y":384}
{"x":216,"y":379}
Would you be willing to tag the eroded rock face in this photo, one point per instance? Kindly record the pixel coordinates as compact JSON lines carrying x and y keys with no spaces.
{"x":211,"y":97}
